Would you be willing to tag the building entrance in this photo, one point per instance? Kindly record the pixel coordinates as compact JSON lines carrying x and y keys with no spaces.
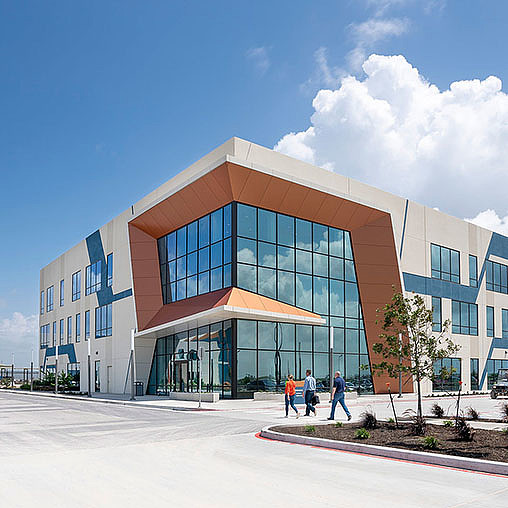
{"x":183,"y":372}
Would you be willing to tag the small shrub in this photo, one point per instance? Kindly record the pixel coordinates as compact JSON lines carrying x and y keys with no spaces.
{"x":368,"y":419}
{"x":416,"y":423}
{"x":310,"y":428}
{"x":25,"y":386}
{"x":437,"y":410}
{"x":472,"y":413}
{"x":504,"y":411}
{"x":339,"y":424}
{"x":505,"y":431}
{"x":391,"y":420}
{"x":430,"y":442}
{"x":464,"y":430}
{"x":362,"y":434}
{"x":448,"y":423}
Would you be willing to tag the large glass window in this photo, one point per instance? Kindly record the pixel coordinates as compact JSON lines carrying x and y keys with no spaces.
{"x":504,"y":323}
{"x":436,"y":314}
{"x":44,"y":336}
{"x":196,"y":259}
{"x":109,"y":262}
{"x":103,"y":321}
{"x":492,"y":368}
{"x":496,"y":277}
{"x":490,"y":321}
{"x":445,"y":263}
{"x":76,"y":286}
{"x":464,"y":318}
{"x":87,"y":324}
{"x":473,"y":271}
{"x":62,"y":332}
{"x":54,"y":334}
{"x":474,"y":374}
{"x":78,"y":327}
{"x":447,"y":375}
{"x":49,"y":298}
{"x":62,"y":292}
{"x":93,"y":278}
{"x":69,"y":329}
{"x":42,"y":303}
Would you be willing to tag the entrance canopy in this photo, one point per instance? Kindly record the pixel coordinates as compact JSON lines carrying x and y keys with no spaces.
{"x":230,"y":303}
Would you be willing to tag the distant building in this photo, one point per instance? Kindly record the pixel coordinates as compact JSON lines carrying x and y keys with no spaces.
{"x":260,"y":262}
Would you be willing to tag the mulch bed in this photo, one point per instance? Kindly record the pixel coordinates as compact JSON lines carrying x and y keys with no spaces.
{"x":486,"y":444}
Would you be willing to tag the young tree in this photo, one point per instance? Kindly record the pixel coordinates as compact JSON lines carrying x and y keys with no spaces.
{"x":407,"y":318}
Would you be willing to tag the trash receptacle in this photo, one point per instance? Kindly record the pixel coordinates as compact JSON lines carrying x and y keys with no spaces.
{"x":138,"y":385}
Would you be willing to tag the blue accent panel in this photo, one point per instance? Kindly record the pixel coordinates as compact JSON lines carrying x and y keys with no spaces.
{"x":67,"y":349}
{"x":496,"y":343}
{"x":403,"y":229}
{"x":96,"y":253}
{"x":441,"y":288}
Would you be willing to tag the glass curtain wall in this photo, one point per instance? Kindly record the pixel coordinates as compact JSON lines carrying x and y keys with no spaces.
{"x":311,"y":266}
{"x":175,"y":366}
{"x":446,"y":384}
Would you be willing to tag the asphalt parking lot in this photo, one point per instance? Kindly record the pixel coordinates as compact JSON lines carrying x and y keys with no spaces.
{"x":60,"y":452}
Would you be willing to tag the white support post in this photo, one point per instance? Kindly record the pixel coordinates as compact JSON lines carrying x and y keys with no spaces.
{"x":133,"y":397}
{"x":56,"y":369}
{"x":331,"y":362}
{"x":89,"y":368}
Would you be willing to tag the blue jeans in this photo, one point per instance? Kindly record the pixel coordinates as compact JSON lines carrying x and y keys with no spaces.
{"x":290,"y":401}
{"x":339,"y":397}
{"x":309,"y":407}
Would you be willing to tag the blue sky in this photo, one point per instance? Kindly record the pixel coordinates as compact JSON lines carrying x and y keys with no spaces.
{"x":102,"y":101}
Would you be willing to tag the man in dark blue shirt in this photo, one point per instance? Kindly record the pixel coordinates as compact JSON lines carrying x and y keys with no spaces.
{"x":339,"y":386}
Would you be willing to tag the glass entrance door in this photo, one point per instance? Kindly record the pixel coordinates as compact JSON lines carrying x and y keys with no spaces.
{"x":184,"y":374}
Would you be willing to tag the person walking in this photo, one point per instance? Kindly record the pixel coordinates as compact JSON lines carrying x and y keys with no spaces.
{"x":339,"y":385}
{"x":290,"y":392}
{"x":309,"y":389}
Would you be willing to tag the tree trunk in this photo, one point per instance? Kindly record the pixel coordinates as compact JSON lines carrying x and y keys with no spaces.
{"x":419,"y":412}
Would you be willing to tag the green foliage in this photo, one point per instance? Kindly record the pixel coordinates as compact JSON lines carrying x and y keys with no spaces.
{"x":391,"y":420}
{"x":309,"y":428}
{"x":472,"y":413}
{"x":416,"y":423}
{"x":362,"y":434}
{"x":5,"y":382}
{"x":339,"y":424}
{"x":25,"y":386}
{"x":505,"y":431}
{"x":448,"y":423}
{"x":408,"y":344}
{"x":65,"y":381}
{"x":430,"y":442}
{"x":437,"y":410}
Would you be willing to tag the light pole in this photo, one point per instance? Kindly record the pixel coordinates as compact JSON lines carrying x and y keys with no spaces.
{"x":32,"y":372}
{"x":400,"y":364}
{"x":89,"y":369}
{"x":12,"y":372}
{"x":331,"y":362}
{"x":56,"y":370}
{"x":132,"y":366}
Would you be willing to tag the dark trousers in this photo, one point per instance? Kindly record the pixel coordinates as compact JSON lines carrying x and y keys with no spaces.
{"x":308,"y":402}
{"x":290,"y":401}
{"x":339,"y":398}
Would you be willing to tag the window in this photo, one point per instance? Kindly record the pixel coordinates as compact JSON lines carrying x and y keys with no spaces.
{"x":464,"y":318}
{"x":490,"y":321}
{"x":44,"y":336}
{"x":196,"y":259}
{"x":474,"y":374}
{"x":492,"y":367}
{"x":473,"y":271}
{"x":445,"y":263}
{"x":76,"y":286}
{"x":87,"y":325}
{"x":62,"y":301}
{"x":78,"y":327}
{"x":69,"y":329}
{"x":447,"y":375}
{"x":504,"y":323}
{"x":54,"y":334}
{"x":62,"y":331}
{"x":103,"y":321}
{"x":74,"y":371}
{"x":436,"y":314}
{"x":109,"y":280}
{"x":97,"y":376}
{"x":49,"y":299}
{"x":93,"y":278}
{"x":497,"y":277}
{"x":42,"y":303}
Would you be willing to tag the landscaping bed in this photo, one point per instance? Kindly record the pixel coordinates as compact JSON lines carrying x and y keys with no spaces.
{"x":486,"y":445}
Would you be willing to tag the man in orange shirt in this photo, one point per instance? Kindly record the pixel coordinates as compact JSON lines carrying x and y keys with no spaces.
{"x":290,"y":395}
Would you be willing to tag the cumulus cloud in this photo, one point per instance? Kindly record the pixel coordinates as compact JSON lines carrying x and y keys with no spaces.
{"x":490,"y":219}
{"x":259,"y":58}
{"x":396,"y":131}
{"x":18,"y":335}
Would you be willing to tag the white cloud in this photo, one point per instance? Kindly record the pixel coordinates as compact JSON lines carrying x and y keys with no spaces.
{"x":18,"y":326}
{"x":396,"y":131}
{"x":489,"y":219}
{"x":259,"y":58}
{"x":371,"y":32}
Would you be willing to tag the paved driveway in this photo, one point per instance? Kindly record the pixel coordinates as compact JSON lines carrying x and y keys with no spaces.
{"x":67,"y":453}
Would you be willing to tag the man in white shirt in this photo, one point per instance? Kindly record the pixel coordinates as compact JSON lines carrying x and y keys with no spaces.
{"x":309,"y":389}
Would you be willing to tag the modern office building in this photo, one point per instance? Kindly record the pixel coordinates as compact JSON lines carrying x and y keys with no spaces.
{"x":261,"y":263}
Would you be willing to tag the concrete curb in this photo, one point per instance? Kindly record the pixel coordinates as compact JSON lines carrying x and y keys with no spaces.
{"x":104,"y":401}
{"x":465,"y":463}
